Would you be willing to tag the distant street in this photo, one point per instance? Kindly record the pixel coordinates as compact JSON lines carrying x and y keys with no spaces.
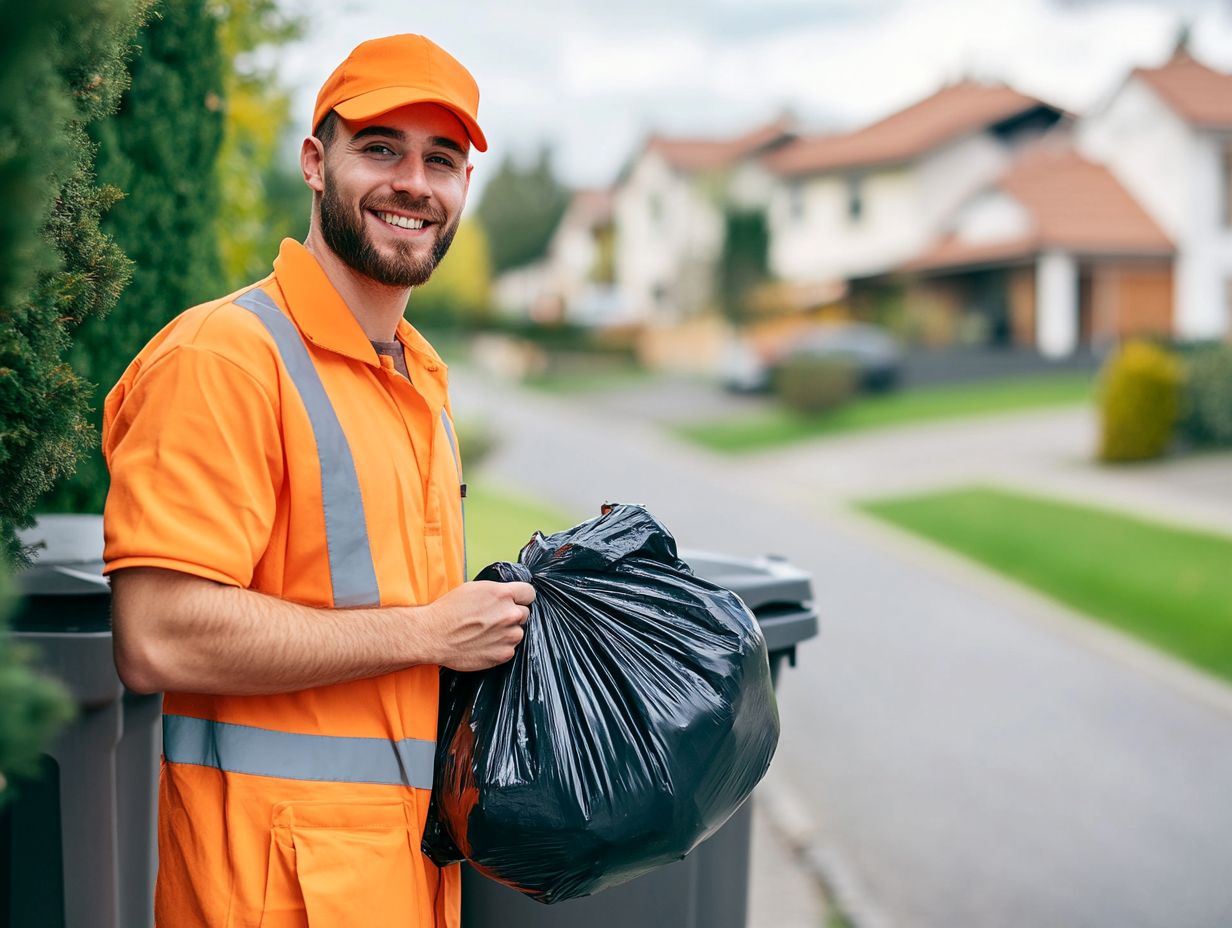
{"x":966,"y":763}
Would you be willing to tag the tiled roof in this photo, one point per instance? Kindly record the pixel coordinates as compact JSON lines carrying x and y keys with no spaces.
{"x":1072,"y":204}
{"x":949,"y":113}
{"x":1199,"y":95}
{"x":710,"y":154}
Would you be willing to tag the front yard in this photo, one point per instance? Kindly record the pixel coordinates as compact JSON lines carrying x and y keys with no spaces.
{"x":775,"y":427}
{"x":1169,"y":586}
{"x":500,"y":521}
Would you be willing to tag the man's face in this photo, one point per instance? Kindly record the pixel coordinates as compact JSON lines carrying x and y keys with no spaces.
{"x":394,"y":188}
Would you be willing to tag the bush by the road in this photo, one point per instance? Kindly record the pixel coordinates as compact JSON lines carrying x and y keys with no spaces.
{"x":811,"y":385}
{"x":1140,"y":397}
{"x":1206,"y":407}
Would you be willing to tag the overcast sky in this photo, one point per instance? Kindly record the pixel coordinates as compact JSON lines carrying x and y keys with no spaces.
{"x":592,"y":78}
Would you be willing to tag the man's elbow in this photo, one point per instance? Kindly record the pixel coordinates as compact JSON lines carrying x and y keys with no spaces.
{"x":142,"y":650}
{"x":139,"y":665}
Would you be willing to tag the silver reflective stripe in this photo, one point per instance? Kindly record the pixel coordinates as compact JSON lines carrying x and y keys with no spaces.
{"x":266,"y":753}
{"x":457,"y":463}
{"x":351,"y":571}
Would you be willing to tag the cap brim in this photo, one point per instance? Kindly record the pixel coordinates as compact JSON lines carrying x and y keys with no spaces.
{"x":375,"y":102}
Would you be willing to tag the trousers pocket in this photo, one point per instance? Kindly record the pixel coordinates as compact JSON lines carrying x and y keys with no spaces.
{"x":342,"y":865}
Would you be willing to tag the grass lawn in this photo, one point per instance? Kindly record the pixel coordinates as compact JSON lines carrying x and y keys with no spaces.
{"x":600,"y":375}
{"x":1171,"y":587}
{"x":499,"y":522}
{"x":776,"y":427}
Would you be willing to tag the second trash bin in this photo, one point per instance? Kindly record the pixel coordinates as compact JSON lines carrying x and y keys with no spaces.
{"x":79,"y":839}
{"x":709,"y":888}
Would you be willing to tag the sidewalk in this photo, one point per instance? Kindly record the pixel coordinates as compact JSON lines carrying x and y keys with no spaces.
{"x":782,"y":894}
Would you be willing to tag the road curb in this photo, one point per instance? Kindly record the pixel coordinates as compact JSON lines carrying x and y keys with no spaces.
{"x":820,"y":858}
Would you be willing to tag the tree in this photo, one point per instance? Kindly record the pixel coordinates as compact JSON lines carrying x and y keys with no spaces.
{"x":62,"y":66}
{"x":744,"y":262}
{"x":160,"y":148}
{"x":520,"y":209}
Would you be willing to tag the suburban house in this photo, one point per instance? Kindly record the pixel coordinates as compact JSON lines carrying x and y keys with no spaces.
{"x":575,"y":280}
{"x":1055,"y":254}
{"x":1166,"y":134}
{"x":858,"y":204}
{"x":668,"y":211}
{"x":977,"y":216}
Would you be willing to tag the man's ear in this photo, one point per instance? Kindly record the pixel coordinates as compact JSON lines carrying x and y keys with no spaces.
{"x":312,"y":163}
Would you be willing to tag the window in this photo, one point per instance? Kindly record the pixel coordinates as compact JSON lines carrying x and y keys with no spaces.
{"x":855,"y":197}
{"x":655,"y":207}
{"x":795,"y":200}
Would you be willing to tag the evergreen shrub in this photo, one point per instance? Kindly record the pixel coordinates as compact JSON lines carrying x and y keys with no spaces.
{"x":1140,"y":398}
{"x":1206,"y":400}
{"x":811,"y":385}
{"x":62,"y":67}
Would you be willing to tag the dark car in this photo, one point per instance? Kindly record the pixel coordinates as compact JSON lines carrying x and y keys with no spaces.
{"x":878,"y":357}
{"x":876,"y":354}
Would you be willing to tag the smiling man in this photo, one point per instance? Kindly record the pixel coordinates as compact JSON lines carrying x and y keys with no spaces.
{"x":285,"y":538}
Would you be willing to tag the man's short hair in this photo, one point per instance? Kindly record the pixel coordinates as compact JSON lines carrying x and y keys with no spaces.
{"x":327,"y":128}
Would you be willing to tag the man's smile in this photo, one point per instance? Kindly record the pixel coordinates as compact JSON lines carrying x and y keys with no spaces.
{"x":402,"y":222}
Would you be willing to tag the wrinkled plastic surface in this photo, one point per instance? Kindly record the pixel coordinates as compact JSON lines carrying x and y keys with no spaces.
{"x":634,"y":719}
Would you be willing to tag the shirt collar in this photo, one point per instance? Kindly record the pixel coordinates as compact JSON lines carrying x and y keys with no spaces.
{"x":325,"y":319}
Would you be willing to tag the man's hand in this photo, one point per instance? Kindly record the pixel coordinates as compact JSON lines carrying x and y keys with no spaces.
{"x":479,"y":624}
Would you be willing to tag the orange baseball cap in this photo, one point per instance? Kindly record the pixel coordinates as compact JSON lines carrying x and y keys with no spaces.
{"x":383,"y":74}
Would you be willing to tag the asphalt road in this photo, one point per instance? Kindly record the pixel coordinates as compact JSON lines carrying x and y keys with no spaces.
{"x":968,"y":764}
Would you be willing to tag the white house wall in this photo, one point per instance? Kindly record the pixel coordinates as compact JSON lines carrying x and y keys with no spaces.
{"x":819,"y":241}
{"x":671,"y":253}
{"x":1204,"y":264}
{"x":903,"y":210}
{"x":750,"y":186}
{"x":989,"y":218}
{"x":1174,"y":171}
{"x":1149,"y":149}
{"x":951,"y":174}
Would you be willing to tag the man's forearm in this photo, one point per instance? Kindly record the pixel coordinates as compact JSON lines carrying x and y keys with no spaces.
{"x":177,"y":632}
{"x":183,"y":633}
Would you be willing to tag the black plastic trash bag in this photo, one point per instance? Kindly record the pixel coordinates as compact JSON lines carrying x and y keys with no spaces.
{"x":633,"y":720}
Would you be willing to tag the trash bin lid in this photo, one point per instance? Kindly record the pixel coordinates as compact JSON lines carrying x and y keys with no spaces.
{"x":778,"y":593}
{"x":64,"y":590}
{"x":69,"y":557}
{"x":760,"y":582}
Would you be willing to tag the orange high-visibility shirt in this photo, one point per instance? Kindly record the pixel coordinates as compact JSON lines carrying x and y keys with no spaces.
{"x":228,"y":440}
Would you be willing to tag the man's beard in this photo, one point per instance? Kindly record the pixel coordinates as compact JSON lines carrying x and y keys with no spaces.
{"x":344,"y":232}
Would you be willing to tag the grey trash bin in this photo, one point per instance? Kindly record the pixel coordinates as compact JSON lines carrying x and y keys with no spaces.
{"x":78,"y":842}
{"x":710,"y":887}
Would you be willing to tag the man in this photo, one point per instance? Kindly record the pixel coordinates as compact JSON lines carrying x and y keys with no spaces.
{"x":285,"y":538}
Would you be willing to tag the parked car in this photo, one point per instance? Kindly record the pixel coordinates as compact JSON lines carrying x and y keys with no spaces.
{"x":877,"y":355}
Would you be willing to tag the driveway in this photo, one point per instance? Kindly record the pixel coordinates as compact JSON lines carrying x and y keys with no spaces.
{"x":965,"y":763}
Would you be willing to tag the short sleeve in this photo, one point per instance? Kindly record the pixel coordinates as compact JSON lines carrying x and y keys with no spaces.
{"x":195,"y":454}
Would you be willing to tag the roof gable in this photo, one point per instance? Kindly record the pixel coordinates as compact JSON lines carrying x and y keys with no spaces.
{"x":1071,"y":203}
{"x":711,"y":154}
{"x":1198,"y":94}
{"x":950,"y":113}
